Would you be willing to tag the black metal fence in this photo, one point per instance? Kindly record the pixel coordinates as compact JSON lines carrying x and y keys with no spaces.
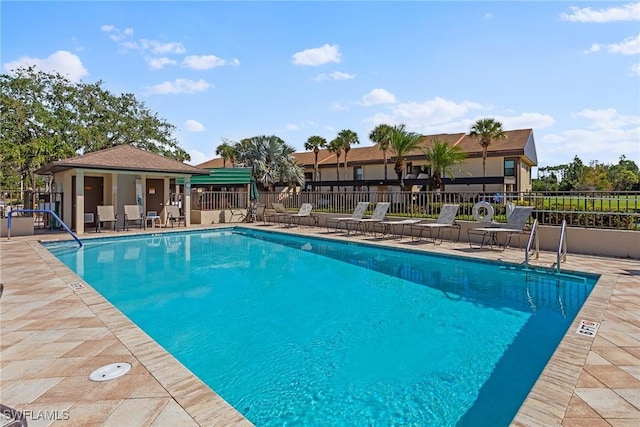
{"x":611,"y":210}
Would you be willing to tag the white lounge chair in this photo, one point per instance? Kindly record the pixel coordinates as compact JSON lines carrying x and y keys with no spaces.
{"x":446,"y":221}
{"x":515,"y":226}
{"x":303,"y":212}
{"x":358,"y":213}
{"x":132,"y":213}
{"x":173,"y":215}
{"x":278,"y":212}
{"x":379,"y":213}
{"x":387,"y":228}
{"x":106,"y":214}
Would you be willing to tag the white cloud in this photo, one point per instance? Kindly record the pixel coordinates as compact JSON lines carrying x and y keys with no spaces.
{"x":606,"y":136}
{"x":336,"y":75}
{"x":198,"y":157}
{"x":629,"y":46}
{"x":62,"y":62}
{"x":603,"y":145}
{"x":158,"y":63}
{"x":635,"y":69}
{"x":179,"y":86}
{"x":124,"y":40}
{"x":207,"y":62}
{"x":116,"y":34}
{"x":534,"y":121}
{"x":607,"y":118}
{"x":336,"y":106}
{"x":193,"y":126}
{"x":302,"y":125}
{"x":488,"y":15}
{"x":160,"y":48}
{"x":437,"y":110}
{"x":317,"y":56}
{"x":594,"y":48}
{"x":378,"y":96}
{"x":628,"y":12}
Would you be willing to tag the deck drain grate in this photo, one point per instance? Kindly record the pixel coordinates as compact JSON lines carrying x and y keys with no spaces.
{"x":587,"y":328}
{"x":76,"y":286}
{"x":110,"y":372}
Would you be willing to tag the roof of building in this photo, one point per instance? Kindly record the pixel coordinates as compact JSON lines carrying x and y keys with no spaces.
{"x":517,"y":143}
{"x":123,"y":157}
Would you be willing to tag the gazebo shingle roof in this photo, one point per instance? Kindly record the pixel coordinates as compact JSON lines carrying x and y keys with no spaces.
{"x":123,"y":158}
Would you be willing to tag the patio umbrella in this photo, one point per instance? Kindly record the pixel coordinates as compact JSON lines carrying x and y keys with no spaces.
{"x":253,"y":190}
{"x":253,"y":197}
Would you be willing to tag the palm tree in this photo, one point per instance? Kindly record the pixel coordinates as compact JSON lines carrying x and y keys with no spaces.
{"x":401,"y":143}
{"x":380,"y":136}
{"x":487,"y":130}
{"x":335,"y":146}
{"x":227,"y":152}
{"x":270,"y":160}
{"x":315,"y":143}
{"x":441,"y":157}
{"x":347,"y":137}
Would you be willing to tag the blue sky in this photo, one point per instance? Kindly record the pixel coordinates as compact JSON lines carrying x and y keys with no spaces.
{"x":570,"y":70}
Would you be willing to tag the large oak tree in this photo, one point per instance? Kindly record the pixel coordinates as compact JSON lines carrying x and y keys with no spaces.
{"x":45,"y":117}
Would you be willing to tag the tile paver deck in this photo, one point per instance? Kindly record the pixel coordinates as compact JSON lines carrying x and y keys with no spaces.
{"x":53,"y":337}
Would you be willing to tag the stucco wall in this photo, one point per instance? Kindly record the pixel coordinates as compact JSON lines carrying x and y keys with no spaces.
{"x":20,"y":226}
{"x":585,"y":241}
{"x":217,"y":216}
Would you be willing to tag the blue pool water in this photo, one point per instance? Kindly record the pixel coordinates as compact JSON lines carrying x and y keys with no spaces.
{"x":301,"y":331}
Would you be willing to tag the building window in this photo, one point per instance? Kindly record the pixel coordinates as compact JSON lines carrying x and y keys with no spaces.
{"x":357,"y":173}
{"x":509,"y":168}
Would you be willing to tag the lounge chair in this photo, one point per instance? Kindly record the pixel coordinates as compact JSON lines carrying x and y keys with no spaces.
{"x":387,"y":228}
{"x":277,"y":213}
{"x":446,"y":221}
{"x":515,"y":226}
{"x":172,"y":213}
{"x":106,"y":214}
{"x":132,"y":213}
{"x":357,"y":213}
{"x":303,"y":212}
{"x":378,"y":215}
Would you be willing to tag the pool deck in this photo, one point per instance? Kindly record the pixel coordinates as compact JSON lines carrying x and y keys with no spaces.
{"x":54,"y":333}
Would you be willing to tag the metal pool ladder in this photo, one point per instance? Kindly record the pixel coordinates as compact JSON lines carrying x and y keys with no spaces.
{"x":533,"y":240}
{"x":562,"y":246}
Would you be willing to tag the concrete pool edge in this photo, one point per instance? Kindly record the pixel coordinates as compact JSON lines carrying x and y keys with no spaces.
{"x":549,"y":398}
{"x":199,"y":400}
{"x":533,"y":410}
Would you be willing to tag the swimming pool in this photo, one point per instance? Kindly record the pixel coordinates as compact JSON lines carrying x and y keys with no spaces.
{"x":303,"y":331}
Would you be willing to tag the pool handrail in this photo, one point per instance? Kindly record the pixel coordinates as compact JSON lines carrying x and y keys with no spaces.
{"x":50,"y":212}
{"x":562,"y":245}
{"x":533,"y":238}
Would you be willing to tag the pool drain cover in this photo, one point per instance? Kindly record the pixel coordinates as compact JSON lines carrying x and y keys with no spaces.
{"x":109,"y":372}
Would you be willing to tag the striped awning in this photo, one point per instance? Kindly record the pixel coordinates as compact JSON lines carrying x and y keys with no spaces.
{"x":221,"y":176}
